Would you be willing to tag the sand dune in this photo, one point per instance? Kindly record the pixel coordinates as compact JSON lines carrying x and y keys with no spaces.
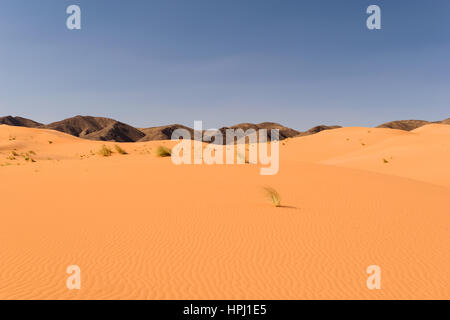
{"x":422,"y":154}
{"x":142,"y":228}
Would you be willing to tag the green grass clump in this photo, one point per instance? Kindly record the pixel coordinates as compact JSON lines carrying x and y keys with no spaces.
{"x":163,"y":152}
{"x":273,"y":195}
{"x":105,"y":151}
{"x":120,"y":150}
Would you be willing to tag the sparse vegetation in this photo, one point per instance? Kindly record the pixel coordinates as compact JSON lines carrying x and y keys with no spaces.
{"x":11,"y":138}
{"x":50,"y":142}
{"x":385,"y":161}
{"x":32,"y":152}
{"x":120,"y":150}
{"x":163,"y":151}
{"x":105,"y":151}
{"x":15,"y":154}
{"x":273,"y":195}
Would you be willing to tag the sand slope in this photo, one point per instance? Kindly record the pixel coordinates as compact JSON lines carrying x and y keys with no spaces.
{"x":142,"y":228}
{"x":423,"y":154}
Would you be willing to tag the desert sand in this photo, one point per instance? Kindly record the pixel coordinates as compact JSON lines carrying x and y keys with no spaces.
{"x":140,"y":227}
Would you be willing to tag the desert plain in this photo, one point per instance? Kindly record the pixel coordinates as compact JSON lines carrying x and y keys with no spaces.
{"x":140,"y":227}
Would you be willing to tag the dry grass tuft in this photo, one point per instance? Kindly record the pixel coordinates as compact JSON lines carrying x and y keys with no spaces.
{"x":105,"y":151}
{"x":120,"y":150}
{"x":163,"y":152}
{"x":273,"y":195}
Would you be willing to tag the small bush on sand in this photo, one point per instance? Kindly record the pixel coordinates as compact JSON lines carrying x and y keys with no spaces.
{"x":105,"y":151}
{"x":163,"y":152}
{"x":120,"y":150}
{"x":273,"y":195}
{"x":385,"y":161}
{"x":50,"y":142}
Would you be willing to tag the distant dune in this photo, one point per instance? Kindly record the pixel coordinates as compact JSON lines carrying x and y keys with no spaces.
{"x":141,"y":227}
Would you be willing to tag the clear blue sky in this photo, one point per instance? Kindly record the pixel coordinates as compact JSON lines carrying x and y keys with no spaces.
{"x":155,"y":62}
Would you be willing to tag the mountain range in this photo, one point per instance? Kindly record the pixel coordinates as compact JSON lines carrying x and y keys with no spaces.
{"x":105,"y":129}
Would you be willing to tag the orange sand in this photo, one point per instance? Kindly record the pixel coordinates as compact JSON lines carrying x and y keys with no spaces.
{"x":140,"y":227}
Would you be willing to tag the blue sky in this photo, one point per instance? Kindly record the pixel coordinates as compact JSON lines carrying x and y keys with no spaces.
{"x":155,"y":62}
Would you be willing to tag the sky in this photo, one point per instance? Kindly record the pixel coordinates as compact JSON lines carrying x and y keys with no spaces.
{"x":296,"y":62}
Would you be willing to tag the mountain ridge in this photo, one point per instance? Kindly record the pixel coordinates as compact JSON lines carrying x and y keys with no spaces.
{"x":107,"y":129}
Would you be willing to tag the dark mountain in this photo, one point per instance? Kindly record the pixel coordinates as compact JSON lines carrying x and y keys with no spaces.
{"x":96,"y":128}
{"x":406,"y":125}
{"x":284,"y":132}
{"x":163,"y":132}
{"x":318,"y":129}
{"x":19,"y":122}
{"x":105,"y":129}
